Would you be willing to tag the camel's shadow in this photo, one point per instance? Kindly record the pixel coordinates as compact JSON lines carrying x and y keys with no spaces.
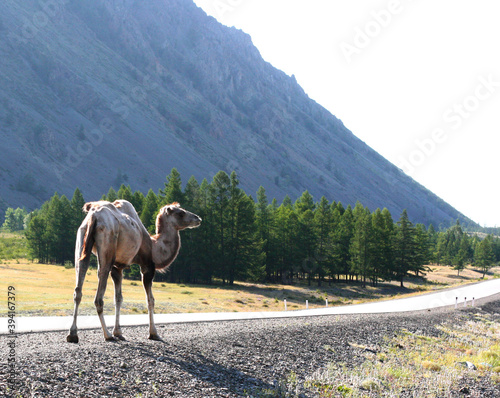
{"x":163,"y":355}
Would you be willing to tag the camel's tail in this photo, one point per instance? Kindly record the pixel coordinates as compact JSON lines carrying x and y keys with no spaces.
{"x":88,"y":239}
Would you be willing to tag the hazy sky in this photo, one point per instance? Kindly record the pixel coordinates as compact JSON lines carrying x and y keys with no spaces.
{"x":417,"y":80}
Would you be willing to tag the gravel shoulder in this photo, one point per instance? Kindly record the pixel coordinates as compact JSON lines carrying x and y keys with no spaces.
{"x":217,"y":359}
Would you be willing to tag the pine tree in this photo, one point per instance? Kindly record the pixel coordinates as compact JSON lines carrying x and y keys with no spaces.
{"x":57,"y":216}
{"x":36,"y":237}
{"x":247,"y":255}
{"x":361,"y":248}
{"x":341,"y":242}
{"x":304,"y":203}
{"x":306,"y":240}
{"x":382,"y":233}
{"x":138,"y":201}
{"x":449,"y":244}
{"x":263,"y":220}
{"x":67,"y":234}
{"x":287,"y":202}
{"x":323,"y":224}
{"x":404,"y":248}
{"x":273,"y":243}
{"x":219,"y":200}
{"x":306,"y":246}
{"x":331,"y":263}
{"x":232,"y":241}
{"x":495,"y":246}
{"x":484,"y":255}
{"x":77,"y":214}
{"x":173,"y":189}
{"x":421,"y":250}
{"x":207,"y":241}
{"x":388,"y":249}
{"x":441,"y":251}
{"x":188,"y":264}
{"x":125,"y":192}
{"x":433,"y":240}
{"x":111,"y":196}
{"x":464,"y":255}
{"x":287,"y":231}
{"x":149,"y":211}
{"x":190,"y":195}
{"x":475,"y":241}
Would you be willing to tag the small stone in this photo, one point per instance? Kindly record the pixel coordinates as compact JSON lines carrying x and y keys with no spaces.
{"x":468,"y":365}
{"x":123,"y":365}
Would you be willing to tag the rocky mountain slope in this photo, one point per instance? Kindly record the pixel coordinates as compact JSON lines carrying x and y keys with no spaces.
{"x":93,"y":95}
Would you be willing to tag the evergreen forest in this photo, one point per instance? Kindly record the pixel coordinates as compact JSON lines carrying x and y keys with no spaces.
{"x":247,"y":239}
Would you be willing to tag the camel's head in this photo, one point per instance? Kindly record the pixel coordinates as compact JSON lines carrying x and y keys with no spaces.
{"x":174,"y":215}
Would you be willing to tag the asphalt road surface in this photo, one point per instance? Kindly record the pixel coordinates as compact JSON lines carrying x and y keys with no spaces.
{"x":460,"y":297}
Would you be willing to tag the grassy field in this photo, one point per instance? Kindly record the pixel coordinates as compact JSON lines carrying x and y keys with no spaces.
{"x":48,"y":290}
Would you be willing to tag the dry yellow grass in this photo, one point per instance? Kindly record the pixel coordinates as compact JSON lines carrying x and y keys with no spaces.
{"x":446,"y":275}
{"x":426,"y":366}
{"x":43,"y":289}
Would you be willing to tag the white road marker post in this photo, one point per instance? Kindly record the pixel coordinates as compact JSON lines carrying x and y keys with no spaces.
{"x":307,"y":304}
{"x":465,"y":302}
{"x":456,"y":302}
{"x":473,"y":301}
{"x":285,"y":304}
{"x":326,"y":300}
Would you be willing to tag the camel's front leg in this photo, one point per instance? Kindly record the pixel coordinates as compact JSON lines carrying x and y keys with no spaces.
{"x":147,"y":281}
{"x":117,"y":276}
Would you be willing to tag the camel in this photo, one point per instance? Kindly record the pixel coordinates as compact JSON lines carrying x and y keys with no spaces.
{"x":116,"y":235}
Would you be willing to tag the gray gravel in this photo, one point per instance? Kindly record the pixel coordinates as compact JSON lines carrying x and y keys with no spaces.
{"x":219,"y":359}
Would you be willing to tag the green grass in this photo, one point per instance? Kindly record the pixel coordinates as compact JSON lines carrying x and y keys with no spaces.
{"x":12,"y":246}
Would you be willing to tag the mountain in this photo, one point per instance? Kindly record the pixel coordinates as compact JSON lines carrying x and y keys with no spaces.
{"x":100,"y":93}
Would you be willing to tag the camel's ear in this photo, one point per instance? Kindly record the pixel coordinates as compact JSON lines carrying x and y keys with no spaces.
{"x":87,"y":207}
{"x":168,"y":210}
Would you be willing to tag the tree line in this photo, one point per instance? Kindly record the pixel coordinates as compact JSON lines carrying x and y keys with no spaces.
{"x":246,"y":239}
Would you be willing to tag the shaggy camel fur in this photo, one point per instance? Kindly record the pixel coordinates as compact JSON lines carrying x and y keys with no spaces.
{"x":116,"y":235}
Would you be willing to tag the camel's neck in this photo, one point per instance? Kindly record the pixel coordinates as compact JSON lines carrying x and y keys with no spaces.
{"x":166,"y":246}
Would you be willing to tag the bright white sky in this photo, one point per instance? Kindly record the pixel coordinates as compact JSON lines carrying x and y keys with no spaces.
{"x":417,"y":80}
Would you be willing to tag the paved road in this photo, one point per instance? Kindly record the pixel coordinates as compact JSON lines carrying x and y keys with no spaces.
{"x":449,"y":297}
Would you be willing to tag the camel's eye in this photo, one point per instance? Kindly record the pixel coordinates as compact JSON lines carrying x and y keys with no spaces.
{"x":182,"y":213}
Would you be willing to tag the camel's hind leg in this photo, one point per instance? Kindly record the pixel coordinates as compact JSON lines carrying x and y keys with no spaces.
{"x":117,"y":276}
{"x":81,"y":268}
{"x":105,"y":264}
